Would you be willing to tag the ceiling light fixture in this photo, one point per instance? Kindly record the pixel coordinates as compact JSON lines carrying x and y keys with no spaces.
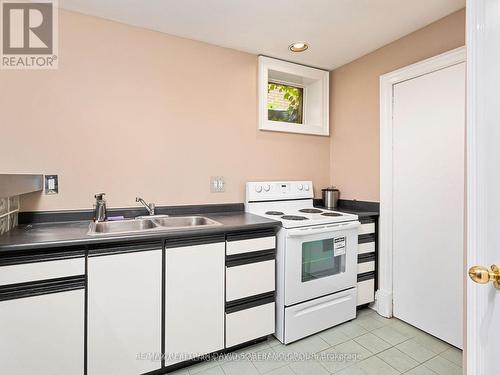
{"x":298,"y":47}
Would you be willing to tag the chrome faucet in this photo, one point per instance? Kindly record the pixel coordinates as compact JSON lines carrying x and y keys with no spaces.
{"x":150,"y":207}
{"x":100,"y":207}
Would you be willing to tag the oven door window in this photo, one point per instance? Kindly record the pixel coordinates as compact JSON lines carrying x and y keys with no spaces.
{"x":323,"y":258}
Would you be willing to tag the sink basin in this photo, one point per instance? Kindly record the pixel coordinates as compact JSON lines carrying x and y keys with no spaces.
{"x":150,"y":217}
{"x":124,"y":226}
{"x":161,"y":223}
{"x":184,"y":221}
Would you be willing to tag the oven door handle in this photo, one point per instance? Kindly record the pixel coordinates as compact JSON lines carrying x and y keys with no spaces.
{"x":308,"y":231}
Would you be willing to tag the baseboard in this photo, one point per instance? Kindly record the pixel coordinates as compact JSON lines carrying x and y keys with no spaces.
{"x":383,"y":303}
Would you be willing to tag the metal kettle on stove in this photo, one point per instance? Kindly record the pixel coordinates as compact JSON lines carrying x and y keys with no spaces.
{"x":331,"y":197}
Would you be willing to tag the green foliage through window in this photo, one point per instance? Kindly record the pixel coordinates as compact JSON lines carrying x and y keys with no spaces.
{"x":284,"y":103}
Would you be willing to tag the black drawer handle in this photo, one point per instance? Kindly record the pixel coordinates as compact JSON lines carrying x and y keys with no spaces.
{"x":248,"y":258}
{"x":368,"y":257}
{"x":366,"y":276}
{"x":250,"y":302}
{"x":41,"y":287}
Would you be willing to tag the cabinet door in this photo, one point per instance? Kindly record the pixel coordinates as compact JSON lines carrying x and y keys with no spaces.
{"x":194,"y":301}
{"x":43,"y":334}
{"x":124,"y":312}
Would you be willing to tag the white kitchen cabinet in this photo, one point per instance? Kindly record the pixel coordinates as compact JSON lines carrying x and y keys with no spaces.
{"x":366,"y":289}
{"x":194,"y":316}
{"x":250,"y":286}
{"x":367,"y":259}
{"x":43,"y":333}
{"x":249,"y":324}
{"x":241,"y":281}
{"x":124,"y":310}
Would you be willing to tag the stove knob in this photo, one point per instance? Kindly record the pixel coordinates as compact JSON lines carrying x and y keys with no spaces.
{"x":300,"y":187}
{"x":267,"y":187}
{"x":306,"y":187}
{"x":258,"y":188}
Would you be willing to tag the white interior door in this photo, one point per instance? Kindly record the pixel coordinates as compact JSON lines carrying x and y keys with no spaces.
{"x":428,"y":202}
{"x":483,"y":141}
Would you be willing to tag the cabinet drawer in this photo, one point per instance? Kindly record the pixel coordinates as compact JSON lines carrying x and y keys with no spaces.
{"x":366,"y":248}
{"x":367,"y":228}
{"x":366,"y":267}
{"x":319,"y":314}
{"x":21,"y":273}
{"x":250,"y":279}
{"x":251,"y":244}
{"x":249,"y":324}
{"x":366,"y":291}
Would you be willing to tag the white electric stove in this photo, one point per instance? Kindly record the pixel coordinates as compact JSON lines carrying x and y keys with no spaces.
{"x":316,"y":258}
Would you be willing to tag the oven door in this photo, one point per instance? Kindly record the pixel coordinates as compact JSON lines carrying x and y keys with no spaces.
{"x":320,"y":260}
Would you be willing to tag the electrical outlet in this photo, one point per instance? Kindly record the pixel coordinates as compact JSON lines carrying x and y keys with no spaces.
{"x":217,"y":184}
{"x":51,"y":184}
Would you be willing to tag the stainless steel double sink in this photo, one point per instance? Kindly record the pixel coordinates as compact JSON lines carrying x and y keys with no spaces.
{"x":150,"y":224}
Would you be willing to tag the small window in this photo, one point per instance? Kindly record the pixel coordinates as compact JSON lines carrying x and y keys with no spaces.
{"x":284,"y":103}
{"x":293,"y":98}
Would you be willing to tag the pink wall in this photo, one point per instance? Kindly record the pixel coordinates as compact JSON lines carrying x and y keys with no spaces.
{"x":135,"y":112}
{"x":354,"y":103}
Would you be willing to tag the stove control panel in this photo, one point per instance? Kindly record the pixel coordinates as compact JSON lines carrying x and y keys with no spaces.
{"x":278,"y":190}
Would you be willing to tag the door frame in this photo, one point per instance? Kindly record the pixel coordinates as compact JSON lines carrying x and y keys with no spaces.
{"x":384,"y":294}
{"x":477,"y":251}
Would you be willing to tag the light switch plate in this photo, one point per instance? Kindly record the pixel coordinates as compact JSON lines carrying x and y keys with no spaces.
{"x":51,"y":184}
{"x":217,"y":184}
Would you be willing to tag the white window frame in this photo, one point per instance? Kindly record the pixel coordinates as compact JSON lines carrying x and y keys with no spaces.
{"x":304,"y":77}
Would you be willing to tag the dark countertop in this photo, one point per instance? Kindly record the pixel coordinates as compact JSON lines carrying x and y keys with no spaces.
{"x":74,"y":233}
{"x":360,"y":208}
{"x":360,"y":213}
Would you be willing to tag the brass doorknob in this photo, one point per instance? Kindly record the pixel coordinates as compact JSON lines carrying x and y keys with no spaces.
{"x":482,"y":275}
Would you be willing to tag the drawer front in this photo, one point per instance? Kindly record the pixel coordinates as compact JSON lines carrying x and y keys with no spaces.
{"x":367,"y":228}
{"x":366,"y":291}
{"x":366,"y":267}
{"x":249,"y":324}
{"x":250,"y":279}
{"x":21,"y":273}
{"x":249,"y":245}
{"x":366,"y":248}
{"x":319,"y":314}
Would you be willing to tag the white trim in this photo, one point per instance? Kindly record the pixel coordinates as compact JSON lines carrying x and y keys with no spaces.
{"x":315,"y":83}
{"x":384,"y":295}
{"x":477,"y":298}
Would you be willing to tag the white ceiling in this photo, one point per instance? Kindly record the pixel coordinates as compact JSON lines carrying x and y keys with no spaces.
{"x":338,"y":31}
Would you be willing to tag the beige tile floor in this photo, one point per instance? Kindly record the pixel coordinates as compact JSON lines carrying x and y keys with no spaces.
{"x":368,"y":345}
